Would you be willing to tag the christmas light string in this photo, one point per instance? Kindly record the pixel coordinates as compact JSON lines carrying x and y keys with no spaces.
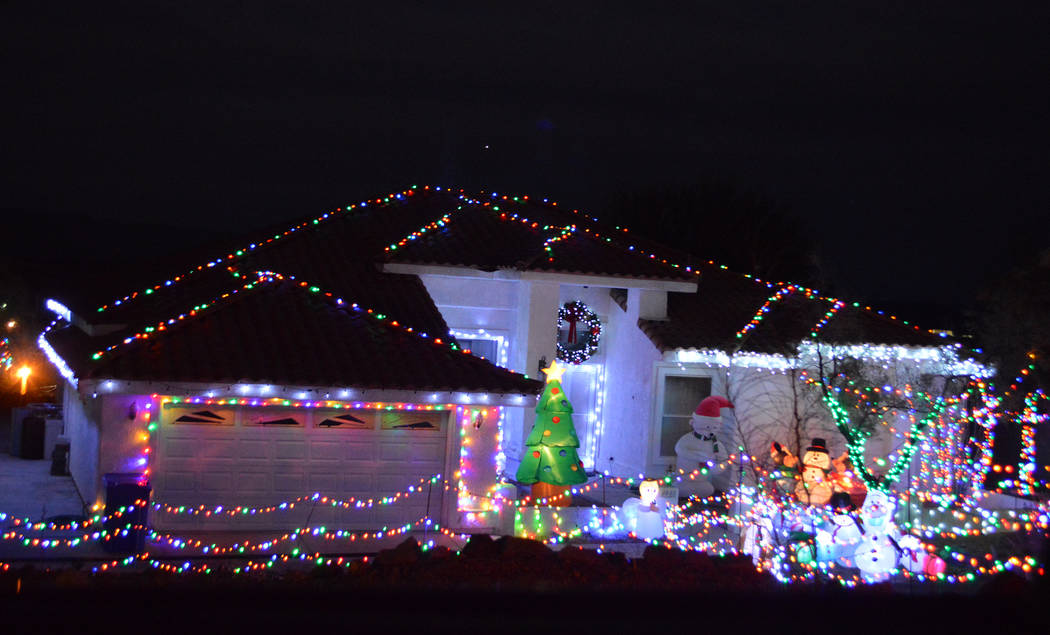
{"x":239,"y":253}
{"x":266,"y":277}
{"x":419,"y":233}
{"x":622,"y":231}
{"x":766,"y":307}
{"x":316,"y":498}
{"x":28,"y":524}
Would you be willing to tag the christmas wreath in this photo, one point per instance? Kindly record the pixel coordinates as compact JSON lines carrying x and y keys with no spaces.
{"x":579,"y":331}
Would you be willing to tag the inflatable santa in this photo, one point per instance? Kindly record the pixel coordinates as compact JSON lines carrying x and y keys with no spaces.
{"x":702,"y":449}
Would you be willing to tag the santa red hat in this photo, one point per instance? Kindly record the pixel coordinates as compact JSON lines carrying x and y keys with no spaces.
{"x":712,"y":406}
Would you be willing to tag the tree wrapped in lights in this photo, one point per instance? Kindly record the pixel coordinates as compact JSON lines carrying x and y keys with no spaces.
{"x":864,"y":396}
{"x":550,"y":463}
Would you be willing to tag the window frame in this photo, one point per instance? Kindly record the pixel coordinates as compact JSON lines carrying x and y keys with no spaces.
{"x":500,"y":337}
{"x":661,"y":371}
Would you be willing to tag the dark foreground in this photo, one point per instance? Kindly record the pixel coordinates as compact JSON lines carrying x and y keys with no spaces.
{"x":507,"y":585}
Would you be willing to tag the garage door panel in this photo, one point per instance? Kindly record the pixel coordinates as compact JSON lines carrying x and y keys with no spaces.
{"x":427,"y":452}
{"x":182,"y":448}
{"x":180,"y":481}
{"x":215,"y":481}
{"x":359,"y":450}
{"x":291,"y":482}
{"x":218,"y":449}
{"x":254,"y":482}
{"x":358,"y":484}
{"x":389,"y":483}
{"x":323,"y":482}
{"x":327,"y":450}
{"x":290,"y":450}
{"x":253,"y":449}
{"x":395,"y":451}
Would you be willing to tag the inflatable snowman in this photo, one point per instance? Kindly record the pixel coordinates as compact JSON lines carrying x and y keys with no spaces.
{"x":645,"y":515}
{"x":879,"y":545}
{"x":814,"y":486}
{"x":703,"y":449}
{"x":838,"y":541}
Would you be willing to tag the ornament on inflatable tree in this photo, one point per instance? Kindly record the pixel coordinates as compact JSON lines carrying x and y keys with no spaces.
{"x":550,"y":463}
{"x":701,"y":449}
{"x":645,"y":515}
{"x":815,"y":483}
{"x":839,"y":539}
{"x":876,"y":552}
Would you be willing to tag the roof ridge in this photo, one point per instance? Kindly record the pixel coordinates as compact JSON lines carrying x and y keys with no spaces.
{"x":252,"y":246}
{"x":272,"y":277}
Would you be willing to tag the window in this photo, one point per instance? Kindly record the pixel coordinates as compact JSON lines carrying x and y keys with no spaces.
{"x":481,"y":343}
{"x":272,"y":417}
{"x":185,"y":414}
{"x":343,"y":419}
{"x":679,"y":396}
{"x":487,"y":349}
{"x":430,"y":420}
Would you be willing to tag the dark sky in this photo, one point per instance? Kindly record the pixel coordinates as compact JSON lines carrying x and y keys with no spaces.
{"x":914,"y":139}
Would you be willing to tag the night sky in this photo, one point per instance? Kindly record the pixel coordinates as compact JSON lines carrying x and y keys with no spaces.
{"x":914,"y":140}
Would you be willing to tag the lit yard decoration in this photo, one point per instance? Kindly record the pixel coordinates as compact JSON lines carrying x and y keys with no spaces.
{"x":550,"y":463}
{"x":644,"y":516}
{"x":579,"y":331}
{"x":701,"y":448}
{"x":818,"y":475}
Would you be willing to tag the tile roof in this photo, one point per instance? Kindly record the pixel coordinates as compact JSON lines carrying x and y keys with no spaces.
{"x":279,"y":332}
{"x":726,"y":302}
{"x":341,"y":251}
{"x":529,"y":237}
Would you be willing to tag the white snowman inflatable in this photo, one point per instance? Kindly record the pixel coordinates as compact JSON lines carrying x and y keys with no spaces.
{"x":838,"y":540}
{"x":704,"y":449}
{"x":879,"y":546}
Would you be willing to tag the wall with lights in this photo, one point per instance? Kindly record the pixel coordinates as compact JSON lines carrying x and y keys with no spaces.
{"x":81,"y":423}
{"x":478,"y":305}
{"x":629,"y":393}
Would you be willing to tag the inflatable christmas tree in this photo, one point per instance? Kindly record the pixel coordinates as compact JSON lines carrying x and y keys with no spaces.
{"x":550,"y":462}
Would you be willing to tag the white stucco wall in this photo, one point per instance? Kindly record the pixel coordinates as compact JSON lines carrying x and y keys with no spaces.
{"x":81,"y":421}
{"x":525,"y":313}
{"x":121,"y":447}
{"x":629,"y":392}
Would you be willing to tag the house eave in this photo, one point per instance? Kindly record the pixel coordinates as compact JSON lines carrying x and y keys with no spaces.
{"x":254,"y":390}
{"x":592,"y":280}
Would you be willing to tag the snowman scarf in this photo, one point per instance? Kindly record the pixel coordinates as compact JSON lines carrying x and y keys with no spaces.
{"x":708,"y":437}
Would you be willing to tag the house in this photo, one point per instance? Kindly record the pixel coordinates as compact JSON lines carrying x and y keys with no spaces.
{"x":362,"y":352}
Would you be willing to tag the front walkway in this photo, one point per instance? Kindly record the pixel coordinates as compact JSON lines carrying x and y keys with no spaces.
{"x":27,"y":489}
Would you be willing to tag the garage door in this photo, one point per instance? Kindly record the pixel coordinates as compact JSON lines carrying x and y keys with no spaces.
{"x":264,"y":456}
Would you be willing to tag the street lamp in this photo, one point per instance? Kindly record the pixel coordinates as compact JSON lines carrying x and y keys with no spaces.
{"x":23,"y":374}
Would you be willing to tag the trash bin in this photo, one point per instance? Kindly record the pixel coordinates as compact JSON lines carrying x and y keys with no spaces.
{"x":60,"y":459}
{"x":32,"y":437}
{"x":123,"y":489}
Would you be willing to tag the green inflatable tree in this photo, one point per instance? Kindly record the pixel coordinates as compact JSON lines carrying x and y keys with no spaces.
{"x":550,"y":457}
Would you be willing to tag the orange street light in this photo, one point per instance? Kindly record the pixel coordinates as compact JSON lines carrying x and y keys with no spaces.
{"x":23,"y":374}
